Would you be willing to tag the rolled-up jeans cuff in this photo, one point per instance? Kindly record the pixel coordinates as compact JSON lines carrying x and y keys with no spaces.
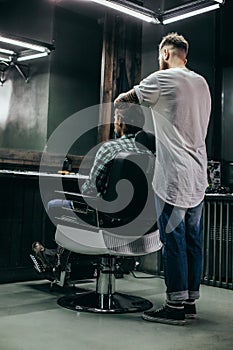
{"x":178,"y":296}
{"x":194,"y":294}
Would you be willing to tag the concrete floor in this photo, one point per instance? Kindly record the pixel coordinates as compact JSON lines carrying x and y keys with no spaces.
{"x":30,"y":319}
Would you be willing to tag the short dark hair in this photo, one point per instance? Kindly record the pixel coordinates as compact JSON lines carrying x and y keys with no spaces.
{"x":134,"y":119}
{"x":34,"y":244}
{"x":176,"y":40}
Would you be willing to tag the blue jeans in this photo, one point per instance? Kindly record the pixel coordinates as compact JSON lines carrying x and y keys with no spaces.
{"x":181,"y":235}
{"x":55,"y":207}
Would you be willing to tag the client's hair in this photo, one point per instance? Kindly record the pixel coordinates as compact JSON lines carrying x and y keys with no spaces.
{"x":134,"y":119}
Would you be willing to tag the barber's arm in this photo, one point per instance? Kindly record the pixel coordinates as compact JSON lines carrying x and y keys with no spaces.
{"x":147,"y":92}
{"x":125,"y":98}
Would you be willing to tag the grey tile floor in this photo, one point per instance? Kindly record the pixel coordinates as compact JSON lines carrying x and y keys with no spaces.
{"x":31,"y":319}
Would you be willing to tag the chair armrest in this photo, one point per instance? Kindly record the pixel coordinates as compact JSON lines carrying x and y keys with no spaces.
{"x":80,"y":198}
{"x":84,"y":206}
{"x":77,"y":195}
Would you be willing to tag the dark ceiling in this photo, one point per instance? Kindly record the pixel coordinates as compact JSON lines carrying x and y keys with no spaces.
{"x":163,"y":5}
{"x":89,"y":8}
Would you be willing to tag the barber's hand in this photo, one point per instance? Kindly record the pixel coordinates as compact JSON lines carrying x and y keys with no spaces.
{"x":120,"y":101}
{"x":125,"y":99}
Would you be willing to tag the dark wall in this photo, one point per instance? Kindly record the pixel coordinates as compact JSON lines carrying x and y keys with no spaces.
{"x":225,"y":71}
{"x":59,"y":85}
{"x":224,"y":59}
{"x":24,"y":106}
{"x":29,"y":18}
{"x":227,"y":114}
{"x":75,"y":70}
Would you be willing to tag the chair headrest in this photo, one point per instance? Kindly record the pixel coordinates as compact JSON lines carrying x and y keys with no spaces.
{"x":147,"y":139}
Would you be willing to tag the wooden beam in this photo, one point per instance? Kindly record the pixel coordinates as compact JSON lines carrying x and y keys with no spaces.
{"x":121,"y":65}
{"x":107,"y":77}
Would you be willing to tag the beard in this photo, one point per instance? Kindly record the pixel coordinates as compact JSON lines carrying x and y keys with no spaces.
{"x":163,"y":64}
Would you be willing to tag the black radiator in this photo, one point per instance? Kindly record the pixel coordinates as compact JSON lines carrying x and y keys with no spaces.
{"x":217,"y":241}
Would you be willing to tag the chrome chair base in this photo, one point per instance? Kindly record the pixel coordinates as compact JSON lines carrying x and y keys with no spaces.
{"x":99,"y":303}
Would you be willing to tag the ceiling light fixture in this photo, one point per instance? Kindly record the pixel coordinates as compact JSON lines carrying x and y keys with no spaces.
{"x":131,"y":9}
{"x":190,"y":14}
{"x":9,"y":52}
{"x":5,"y":59}
{"x":25,"y":44}
{"x":190,"y":10}
{"x":15,"y":45}
{"x":16,"y":49}
{"x":31,"y":56}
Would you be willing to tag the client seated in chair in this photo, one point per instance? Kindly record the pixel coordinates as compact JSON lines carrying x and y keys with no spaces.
{"x":117,"y":231}
{"x":126,"y":127}
{"x":127,"y":124}
{"x":129,"y":137}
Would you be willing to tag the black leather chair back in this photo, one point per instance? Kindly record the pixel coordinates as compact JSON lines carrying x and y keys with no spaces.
{"x":136,"y":170}
{"x":147,"y":139}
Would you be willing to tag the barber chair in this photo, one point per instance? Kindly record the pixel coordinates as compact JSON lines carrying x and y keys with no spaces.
{"x":121,"y":224}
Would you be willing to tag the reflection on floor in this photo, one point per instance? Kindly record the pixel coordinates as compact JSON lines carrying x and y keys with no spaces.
{"x":32,"y":320}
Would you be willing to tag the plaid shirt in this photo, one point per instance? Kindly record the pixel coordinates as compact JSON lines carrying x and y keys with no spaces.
{"x":98,"y":177}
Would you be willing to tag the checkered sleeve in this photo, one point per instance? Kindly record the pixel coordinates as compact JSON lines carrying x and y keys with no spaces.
{"x":98,"y":177}
{"x":99,"y":171}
